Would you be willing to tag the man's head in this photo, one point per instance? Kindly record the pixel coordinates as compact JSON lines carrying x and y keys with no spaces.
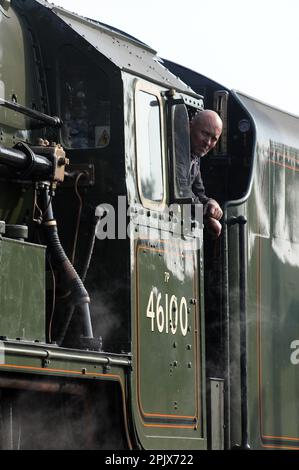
{"x":205,"y":130}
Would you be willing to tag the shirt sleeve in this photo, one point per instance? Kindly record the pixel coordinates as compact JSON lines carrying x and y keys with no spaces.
{"x":198,"y":190}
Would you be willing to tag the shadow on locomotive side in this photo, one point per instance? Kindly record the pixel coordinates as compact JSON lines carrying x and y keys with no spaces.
{"x":123,"y":325}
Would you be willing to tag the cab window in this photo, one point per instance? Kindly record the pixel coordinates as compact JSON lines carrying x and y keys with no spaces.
{"x":181,"y":152}
{"x":84,"y":101}
{"x":149,"y":148}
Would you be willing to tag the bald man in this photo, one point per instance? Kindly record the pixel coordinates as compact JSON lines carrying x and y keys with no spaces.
{"x":205,"y":130}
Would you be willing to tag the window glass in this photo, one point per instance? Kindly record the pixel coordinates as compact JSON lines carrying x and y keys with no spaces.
{"x":149,"y":151}
{"x":284,"y":161}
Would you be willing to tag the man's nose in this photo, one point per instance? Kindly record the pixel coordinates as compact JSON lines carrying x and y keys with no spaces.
{"x":208,"y":140}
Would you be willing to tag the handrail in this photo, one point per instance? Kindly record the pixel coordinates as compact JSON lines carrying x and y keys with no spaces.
{"x":241,"y":221}
{"x":52,"y":121}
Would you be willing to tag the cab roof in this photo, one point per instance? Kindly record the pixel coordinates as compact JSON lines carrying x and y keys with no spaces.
{"x":123,"y":50}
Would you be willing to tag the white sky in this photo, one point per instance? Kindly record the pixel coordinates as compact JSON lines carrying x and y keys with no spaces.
{"x":248,"y":45}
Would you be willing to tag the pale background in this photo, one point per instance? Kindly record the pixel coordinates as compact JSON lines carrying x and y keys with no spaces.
{"x":251,"y":46}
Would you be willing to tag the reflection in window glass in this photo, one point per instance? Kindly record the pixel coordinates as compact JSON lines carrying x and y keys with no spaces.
{"x":149,"y":152}
{"x":84,"y":102}
{"x":285,"y":199}
{"x":181,"y":151}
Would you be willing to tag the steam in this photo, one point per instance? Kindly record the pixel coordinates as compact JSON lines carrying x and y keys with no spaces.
{"x":109,"y":316}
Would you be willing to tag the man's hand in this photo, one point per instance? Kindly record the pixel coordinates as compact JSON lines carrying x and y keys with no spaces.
{"x":212,"y":214}
{"x":212,"y":209}
{"x":213,"y":227}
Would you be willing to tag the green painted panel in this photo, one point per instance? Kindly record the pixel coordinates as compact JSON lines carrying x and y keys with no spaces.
{"x":22,"y":290}
{"x":273,"y":300}
{"x":166,"y":320}
{"x":167,"y":360}
{"x":277,"y":347}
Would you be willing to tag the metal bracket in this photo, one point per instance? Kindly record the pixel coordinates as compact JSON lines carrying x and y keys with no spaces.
{"x":88,"y":178}
{"x":46,"y":363}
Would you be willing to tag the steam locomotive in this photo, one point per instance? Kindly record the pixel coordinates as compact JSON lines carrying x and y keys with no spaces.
{"x":122,"y":324}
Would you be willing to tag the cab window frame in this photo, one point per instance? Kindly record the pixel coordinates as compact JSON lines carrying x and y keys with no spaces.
{"x":176,"y":198}
{"x":155,"y":91}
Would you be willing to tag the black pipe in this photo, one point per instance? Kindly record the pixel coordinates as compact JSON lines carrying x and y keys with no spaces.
{"x":243,"y":333}
{"x":241,"y":221}
{"x":225,"y":306}
{"x":31,"y":113}
{"x":25,"y":161}
{"x":77,"y":293}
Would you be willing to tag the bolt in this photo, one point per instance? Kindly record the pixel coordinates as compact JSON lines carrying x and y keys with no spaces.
{"x":106,"y":369}
{"x":61,"y":161}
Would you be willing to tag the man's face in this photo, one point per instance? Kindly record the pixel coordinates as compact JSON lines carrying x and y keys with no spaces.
{"x":204,"y":136}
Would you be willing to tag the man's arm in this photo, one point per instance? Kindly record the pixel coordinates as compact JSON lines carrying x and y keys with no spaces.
{"x":211,"y":207}
{"x":198,"y":190}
